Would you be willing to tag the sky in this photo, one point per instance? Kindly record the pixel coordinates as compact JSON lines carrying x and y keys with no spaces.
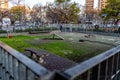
{"x":43,"y":2}
{"x":30,"y":3}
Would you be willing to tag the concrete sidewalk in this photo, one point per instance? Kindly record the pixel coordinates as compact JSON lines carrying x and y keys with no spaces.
{"x":14,"y":34}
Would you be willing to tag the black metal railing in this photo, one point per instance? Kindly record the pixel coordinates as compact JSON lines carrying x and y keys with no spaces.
{"x":105,"y":66}
{"x":16,"y":66}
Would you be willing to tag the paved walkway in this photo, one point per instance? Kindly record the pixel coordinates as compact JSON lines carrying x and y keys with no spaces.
{"x":14,"y":34}
{"x":75,"y":36}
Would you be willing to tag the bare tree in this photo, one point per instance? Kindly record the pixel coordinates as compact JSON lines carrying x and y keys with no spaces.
{"x":63,"y":12}
{"x":4,"y":13}
{"x":38,"y":14}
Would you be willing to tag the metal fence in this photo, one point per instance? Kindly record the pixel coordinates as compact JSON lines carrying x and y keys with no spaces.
{"x":16,"y":66}
{"x":105,"y":66}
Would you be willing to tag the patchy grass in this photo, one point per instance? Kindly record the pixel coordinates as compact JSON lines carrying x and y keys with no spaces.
{"x":19,"y":42}
{"x":76,"y":51}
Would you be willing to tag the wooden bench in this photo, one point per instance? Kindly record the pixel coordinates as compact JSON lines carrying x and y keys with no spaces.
{"x":36,"y":55}
{"x":33,"y":51}
{"x":49,"y":60}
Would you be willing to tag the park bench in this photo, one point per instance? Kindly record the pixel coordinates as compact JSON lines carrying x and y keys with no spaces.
{"x":34,"y":54}
{"x":49,"y":60}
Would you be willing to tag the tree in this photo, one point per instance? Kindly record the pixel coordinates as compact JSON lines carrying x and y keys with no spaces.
{"x":4,"y":13}
{"x":37,"y":13}
{"x":61,"y":1}
{"x":112,"y":9}
{"x":17,"y":12}
{"x":63,"y":11}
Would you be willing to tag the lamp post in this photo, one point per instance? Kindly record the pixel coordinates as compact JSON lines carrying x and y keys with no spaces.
{"x":104,"y":16}
{"x":7,"y":30}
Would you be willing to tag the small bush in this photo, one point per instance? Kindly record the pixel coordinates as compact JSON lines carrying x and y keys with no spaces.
{"x":38,"y":29}
{"x":2,"y":31}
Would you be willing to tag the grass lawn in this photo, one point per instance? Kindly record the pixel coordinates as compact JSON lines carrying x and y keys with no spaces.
{"x":76,"y":51}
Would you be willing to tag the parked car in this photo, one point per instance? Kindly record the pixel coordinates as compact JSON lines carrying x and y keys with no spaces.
{"x":17,"y":23}
{"x":118,"y":24}
{"x":6,"y":22}
{"x":110,"y":25}
{"x":92,"y":24}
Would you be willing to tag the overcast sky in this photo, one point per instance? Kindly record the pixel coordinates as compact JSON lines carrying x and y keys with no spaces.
{"x":30,"y":3}
{"x":43,"y":2}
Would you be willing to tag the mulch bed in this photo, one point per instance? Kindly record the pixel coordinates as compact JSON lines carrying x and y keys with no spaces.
{"x":37,"y":32}
{"x":52,"y":39}
{"x":54,"y":62}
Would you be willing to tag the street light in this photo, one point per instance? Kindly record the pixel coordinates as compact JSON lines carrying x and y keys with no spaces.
{"x":104,"y":16}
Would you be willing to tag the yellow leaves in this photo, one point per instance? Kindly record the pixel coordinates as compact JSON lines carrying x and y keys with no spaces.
{"x":17,"y":8}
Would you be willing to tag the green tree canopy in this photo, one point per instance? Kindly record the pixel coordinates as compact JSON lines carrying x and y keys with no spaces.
{"x":112,"y":9}
{"x":17,"y":12}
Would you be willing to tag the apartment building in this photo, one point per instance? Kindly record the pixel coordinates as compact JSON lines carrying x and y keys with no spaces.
{"x":89,"y":5}
{"x":101,"y":4}
{"x":4,"y":4}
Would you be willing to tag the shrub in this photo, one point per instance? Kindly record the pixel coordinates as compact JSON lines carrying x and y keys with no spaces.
{"x":38,"y":29}
{"x":2,"y":31}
